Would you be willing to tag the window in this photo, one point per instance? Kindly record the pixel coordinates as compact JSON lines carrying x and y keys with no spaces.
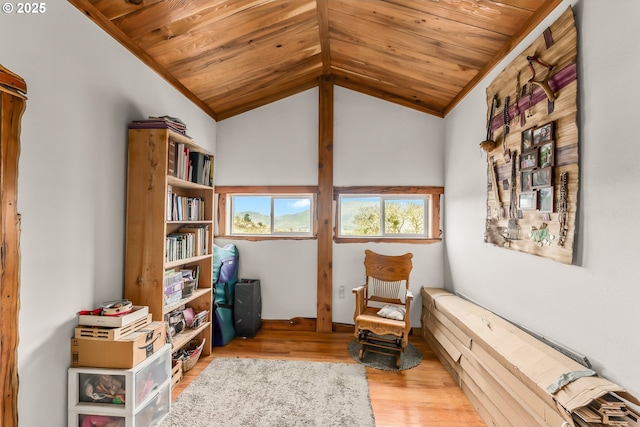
{"x":408,"y":214}
{"x":258,"y":213}
{"x":270,"y":214}
{"x":379,"y":216}
{"x":362,"y":214}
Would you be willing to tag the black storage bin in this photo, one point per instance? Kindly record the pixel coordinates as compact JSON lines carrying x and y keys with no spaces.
{"x":247,"y":308}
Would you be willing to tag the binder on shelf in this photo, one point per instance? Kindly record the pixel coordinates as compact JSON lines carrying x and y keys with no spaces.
{"x":197,"y":163}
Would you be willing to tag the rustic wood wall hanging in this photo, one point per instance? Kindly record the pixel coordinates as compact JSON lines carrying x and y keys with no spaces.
{"x":532,"y":147}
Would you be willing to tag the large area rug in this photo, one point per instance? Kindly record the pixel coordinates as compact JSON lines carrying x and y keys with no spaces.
{"x":409,"y":359}
{"x":241,"y":392}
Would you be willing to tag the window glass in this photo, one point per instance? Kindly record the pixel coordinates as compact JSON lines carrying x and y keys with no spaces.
{"x":404,"y":216}
{"x":251,"y":214}
{"x":271,"y":215}
{"x":360,"y":216}
{"x":364,"y":216}
{"x":292,"y":215}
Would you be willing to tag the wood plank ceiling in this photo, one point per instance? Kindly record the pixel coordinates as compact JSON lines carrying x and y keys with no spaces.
{"x":230,"y":56}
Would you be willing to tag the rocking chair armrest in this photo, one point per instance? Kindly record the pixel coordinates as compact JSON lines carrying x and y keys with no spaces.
{"x":407,"y":307}
{"x":360,"y":301}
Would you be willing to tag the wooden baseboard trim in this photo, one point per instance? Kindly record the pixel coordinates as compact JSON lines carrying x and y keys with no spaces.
{"x":295,"y":324}
{"x":308,"y":324}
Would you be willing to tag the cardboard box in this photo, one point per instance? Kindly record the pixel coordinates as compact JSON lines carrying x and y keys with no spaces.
{"x":124,"y":353}
{"x":478,"y":344}
{"x":454,"y":348}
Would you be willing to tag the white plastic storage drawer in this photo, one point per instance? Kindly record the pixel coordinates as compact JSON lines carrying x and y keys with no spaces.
{"x":119,"y":391}
{"x":149,"y":415}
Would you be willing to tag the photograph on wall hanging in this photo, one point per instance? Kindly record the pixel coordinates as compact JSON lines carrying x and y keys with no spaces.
{"x":532,"y":144}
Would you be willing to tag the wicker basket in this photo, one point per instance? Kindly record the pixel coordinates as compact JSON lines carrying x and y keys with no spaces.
{"x":195,"y":351}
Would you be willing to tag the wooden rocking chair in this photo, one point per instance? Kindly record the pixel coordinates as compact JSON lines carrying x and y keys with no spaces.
{"x":380,"y":324}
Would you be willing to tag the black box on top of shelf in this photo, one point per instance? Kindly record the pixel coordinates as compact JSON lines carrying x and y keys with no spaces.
{"x":247,"y":308}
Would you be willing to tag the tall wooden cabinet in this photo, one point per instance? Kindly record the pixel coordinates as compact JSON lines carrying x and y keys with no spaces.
{"x":155,"y":197}
{"x":13,"y":103}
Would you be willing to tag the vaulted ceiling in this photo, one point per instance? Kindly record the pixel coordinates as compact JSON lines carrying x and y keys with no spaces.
{"x":230,"y":56}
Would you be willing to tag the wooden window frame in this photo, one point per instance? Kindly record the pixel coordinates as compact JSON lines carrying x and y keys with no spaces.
{"x":223,"y":194}
{"x":434,"y":192}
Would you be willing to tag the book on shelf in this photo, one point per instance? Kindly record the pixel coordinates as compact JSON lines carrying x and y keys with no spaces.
{"x":183,"y":208}
{"x":171,"y":158}
{"x":187,"y":242}
{"x":211,"y":175}
{"x":178,"y":208}
{"x":207,"y":176}
{"x":188,"y":164}
{"x":201,"y":165}
{"x":177,"y":247}
{"x":180,"y":160}
{"x":201,"y":238}
{"x":197,"y":163}
{"x":193,"y":209}
{"x":186,"y":170}
{"x":169,"y":210}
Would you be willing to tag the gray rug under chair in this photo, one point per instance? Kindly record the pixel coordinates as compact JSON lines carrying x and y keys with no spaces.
{"x":410,"y":358}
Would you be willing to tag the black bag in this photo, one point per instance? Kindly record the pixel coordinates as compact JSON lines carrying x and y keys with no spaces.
{"x":247,"y":310}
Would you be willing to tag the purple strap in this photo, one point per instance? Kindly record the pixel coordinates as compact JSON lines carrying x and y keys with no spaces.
{"x":548,"y":38}
{"x":558,"y":81}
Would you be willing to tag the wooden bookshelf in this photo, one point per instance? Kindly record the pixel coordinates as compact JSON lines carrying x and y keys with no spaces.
{"x":151,"y":180}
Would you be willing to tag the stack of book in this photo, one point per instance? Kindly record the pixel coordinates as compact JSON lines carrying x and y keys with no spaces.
{"x":184,"y":208}
{"x":164,"y":122}
{"x":189,"y":165}
{"x":187,"y":242}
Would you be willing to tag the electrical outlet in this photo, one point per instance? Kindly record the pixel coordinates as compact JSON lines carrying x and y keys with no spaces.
{"x":341,"y":292}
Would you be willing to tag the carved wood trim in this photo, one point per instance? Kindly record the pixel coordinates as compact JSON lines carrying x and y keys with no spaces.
{"x":12,"y":106}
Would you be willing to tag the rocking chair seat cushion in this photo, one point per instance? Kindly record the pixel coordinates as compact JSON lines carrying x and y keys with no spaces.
{"x":392,"y":311}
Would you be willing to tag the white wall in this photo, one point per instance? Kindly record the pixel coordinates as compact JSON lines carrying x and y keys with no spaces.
{"x":277,"y":145}
{"x":274,"y":145}
{"x":380,"y":143}
{"x":83,"y":89}
{"x":590,"y":307}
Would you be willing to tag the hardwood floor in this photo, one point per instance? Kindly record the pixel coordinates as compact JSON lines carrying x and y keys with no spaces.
{"x":419,"y":397}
